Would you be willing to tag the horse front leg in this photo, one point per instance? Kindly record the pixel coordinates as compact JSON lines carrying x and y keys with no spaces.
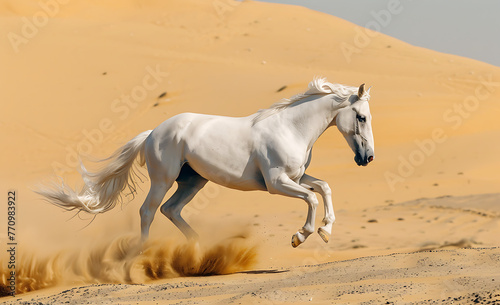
{"x":321,"y":187}
{"x":283,"y":185}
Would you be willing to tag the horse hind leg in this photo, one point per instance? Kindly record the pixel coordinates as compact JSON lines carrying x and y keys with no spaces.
{"x":162,"y":180}
{"x":148,"y":209}
{"x":189,"y":184}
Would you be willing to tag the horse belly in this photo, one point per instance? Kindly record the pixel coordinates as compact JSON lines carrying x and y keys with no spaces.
{"x":232,"y":171}
{"x":227,"y":176}
{"x":222,"y":153}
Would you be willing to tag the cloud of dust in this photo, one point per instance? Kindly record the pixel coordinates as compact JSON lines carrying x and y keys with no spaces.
{"x":126,"y":260}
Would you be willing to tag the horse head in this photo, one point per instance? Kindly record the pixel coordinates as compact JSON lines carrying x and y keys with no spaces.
{"x":354,"y":122}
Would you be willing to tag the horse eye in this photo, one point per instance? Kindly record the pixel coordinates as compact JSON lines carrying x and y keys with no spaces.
{"x":362,"y":119}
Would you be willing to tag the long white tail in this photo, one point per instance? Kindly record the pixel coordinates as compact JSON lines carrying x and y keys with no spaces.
{"x":102,"y":189}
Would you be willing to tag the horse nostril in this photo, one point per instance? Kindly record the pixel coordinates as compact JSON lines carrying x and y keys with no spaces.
{"x":370,"y":158}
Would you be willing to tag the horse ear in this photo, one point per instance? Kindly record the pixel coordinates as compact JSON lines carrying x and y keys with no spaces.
{"x":361,"y":91}
{"x":368,"y":91}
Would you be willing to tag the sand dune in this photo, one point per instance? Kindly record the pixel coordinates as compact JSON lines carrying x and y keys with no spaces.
{"x":96,"y":73}
{"x":414,"y":252}
{"x":460,"y":277}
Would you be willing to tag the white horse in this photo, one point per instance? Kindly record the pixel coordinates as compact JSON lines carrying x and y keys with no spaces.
{"x":267,"y":151}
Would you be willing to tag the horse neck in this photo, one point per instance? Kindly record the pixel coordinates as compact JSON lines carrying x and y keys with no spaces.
{"x":310,"y":117}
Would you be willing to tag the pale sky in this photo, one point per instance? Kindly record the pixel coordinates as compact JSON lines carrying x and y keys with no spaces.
{"x":469,"y":28}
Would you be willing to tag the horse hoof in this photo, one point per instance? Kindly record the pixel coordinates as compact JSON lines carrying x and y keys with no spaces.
{"x":324,"y":235}
{"x":295,"y":241}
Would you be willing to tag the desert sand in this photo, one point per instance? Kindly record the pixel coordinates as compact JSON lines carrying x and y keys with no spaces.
{"x":94,"y":74}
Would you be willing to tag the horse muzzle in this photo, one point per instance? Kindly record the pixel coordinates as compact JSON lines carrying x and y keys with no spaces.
{"x":360,"y":161}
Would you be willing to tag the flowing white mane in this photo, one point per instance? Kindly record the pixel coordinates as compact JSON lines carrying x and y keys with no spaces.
{"x":317,"y":86}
